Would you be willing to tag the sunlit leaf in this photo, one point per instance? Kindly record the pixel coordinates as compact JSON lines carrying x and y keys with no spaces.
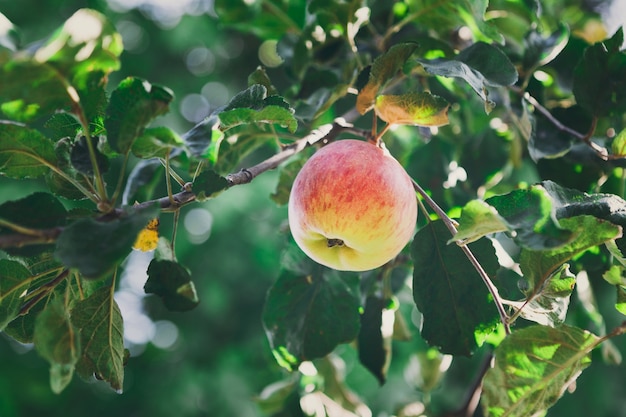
{"x":533,"y":368}
{"x":421,"y":109}
{"x":133,"y":104}
{"x":383,"y":69}
{"x":57,"y":341}
{"x":270,"y":114}
{"x":473,"y":14}
{"x":443,"y":276}
{"x":479,"y":219}
{"x":172,"y":282}
{"x":600,"y":77}
{"x":618,"y":146}
{"x":300,"y":316}
{"x":49,"y":77}
{"x":539,"y":266}
{"x":550,"y":306}
{"x":94,"y":247}
{"x":24,"y":152}
{"x":101,"y":328}
{"x":156,"y":142}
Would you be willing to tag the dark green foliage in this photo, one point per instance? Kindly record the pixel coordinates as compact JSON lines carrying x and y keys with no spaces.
{"x":520,"y":107}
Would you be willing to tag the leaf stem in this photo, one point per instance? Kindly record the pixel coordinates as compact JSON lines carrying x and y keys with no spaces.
{"x":451,"y":225}
{"x":43,"y":291}
{"x":120,"y":180}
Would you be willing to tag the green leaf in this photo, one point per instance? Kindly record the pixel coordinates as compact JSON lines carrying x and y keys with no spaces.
{"x":421,"y":109}
{"x":203,"y":136}
{"x":232,"y":151}
{"x":549,"y":306}
{"x":37,"y":211}
{"x":29,"y":89}
{"x":59,"y":184}
{"x":156,"y":142}
{"x":457,"y":308}
{"x":55,"y":75}
{"x":63,"y":125}
{"x":253,"y":105}
{"x":94,"y":246}
{"x":270,"y":114}
{"x":530,"y":214}
{"x":208,"y":184}
{"x":600,"y":78}
{"x":141,"y":181}
{"x":75,"y":50}
{"x":374,"y":347}
{"x":57,"y":341}
{"x":533,"y":368}
{"x":540,"y":50}
{"x":285,"y":181}
{"x":618,"y":146}
{"x":259,"y":76}
{"x":620,"y":303}
{"x":480,"y":65}
{"x":133,"y":104}
{"x":539,"y":266}
{"x":172,"y":282}
{"x":12,"y":288}
{"x":302,"y":311}
{"x":383,"y":69}
{"x":569,"y":203}
{"x":81,"y":160}
{"x":24,"y":152}
{"x":101,"y":328}
{"x":473,"y":14}
{"x":478,"y":219}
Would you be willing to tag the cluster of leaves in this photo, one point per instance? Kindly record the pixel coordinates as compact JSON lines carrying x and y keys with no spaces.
{"x":63,"y":248}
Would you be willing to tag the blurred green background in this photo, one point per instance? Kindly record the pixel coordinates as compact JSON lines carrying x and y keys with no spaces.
{"x":213,"y":360}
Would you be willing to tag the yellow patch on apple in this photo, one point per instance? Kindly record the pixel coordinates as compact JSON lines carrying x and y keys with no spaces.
{"x":352,"y":206}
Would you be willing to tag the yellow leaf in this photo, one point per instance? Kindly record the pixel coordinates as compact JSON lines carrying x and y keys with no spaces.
{"x":148,"y":238}
{"x":421,"y":109}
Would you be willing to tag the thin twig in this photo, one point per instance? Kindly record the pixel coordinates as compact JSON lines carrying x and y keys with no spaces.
{"x":601,"y":151}
{"x":451,"y":225}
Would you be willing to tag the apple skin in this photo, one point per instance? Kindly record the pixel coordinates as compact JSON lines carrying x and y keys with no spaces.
{"x":352,"y":206}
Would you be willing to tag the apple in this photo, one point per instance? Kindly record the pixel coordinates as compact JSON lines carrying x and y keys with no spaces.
{"x":352,"y":206}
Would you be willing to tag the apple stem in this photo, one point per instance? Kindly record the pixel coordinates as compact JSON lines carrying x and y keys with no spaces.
{"x":451,"y":225}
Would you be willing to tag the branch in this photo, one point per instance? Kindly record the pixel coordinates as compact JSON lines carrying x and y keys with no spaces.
{"x":325,"y":133}
{"x":599,"y":150}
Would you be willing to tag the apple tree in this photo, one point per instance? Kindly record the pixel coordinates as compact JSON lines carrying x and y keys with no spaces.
{"x":507,"y":115}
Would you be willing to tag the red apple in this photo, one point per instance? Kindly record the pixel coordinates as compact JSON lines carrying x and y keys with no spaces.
{"x":352,"y":206}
